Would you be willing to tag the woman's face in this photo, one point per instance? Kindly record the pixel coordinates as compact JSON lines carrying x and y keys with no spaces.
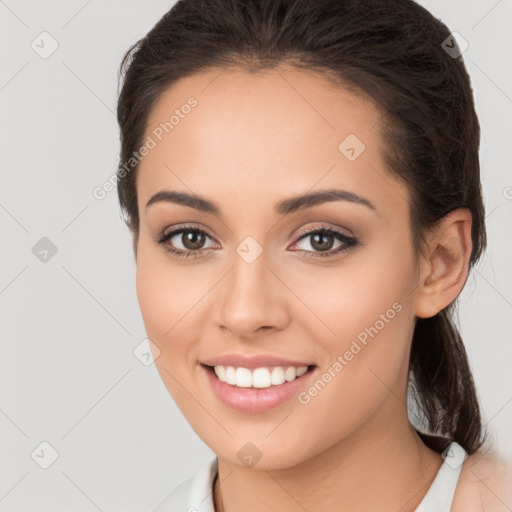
{"x":253,"y":284}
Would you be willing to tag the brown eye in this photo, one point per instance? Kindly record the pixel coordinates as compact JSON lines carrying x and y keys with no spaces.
{"x":192,"y":240}
{"x":184,"y":241}
{"x":321,"y":241}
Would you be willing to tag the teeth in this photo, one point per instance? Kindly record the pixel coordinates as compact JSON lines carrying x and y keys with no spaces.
{"x":230,"y":375}
{"x":290,"y":373}
{"x":259,"y":377}
{"x":301,"y":370}
{"x":277,"y":376}
{"x":243,"y":378}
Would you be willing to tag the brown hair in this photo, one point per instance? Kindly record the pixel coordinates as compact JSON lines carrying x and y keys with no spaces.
{"x":395,"y":52}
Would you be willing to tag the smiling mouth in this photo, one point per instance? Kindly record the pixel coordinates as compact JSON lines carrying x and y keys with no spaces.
{"x":258,"y":378}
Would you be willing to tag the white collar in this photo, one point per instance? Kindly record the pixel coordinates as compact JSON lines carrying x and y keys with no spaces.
{"x":196,"y":493}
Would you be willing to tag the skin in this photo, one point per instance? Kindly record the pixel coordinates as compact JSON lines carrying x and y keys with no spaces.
{"x":485,"y":484}
{"x":252,"y":141}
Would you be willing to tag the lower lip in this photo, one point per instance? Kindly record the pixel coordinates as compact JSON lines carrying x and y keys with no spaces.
{"x":254,"y":400}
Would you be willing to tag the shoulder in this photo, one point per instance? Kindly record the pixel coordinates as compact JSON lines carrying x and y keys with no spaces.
{"x":192,"y":493}
{"x":485,"y":484}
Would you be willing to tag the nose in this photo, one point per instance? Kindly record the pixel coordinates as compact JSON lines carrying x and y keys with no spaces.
{"x":253,"y":300}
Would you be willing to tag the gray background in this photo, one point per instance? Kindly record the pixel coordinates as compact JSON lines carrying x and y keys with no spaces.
{"x":69,"y":325}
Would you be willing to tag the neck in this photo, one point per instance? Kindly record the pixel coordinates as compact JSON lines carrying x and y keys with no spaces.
{"x":383,"y":466}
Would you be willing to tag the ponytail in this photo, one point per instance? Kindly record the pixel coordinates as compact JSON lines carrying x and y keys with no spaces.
{"x":443,"y":386}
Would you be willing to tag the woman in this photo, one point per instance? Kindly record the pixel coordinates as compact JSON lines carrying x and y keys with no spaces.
{"x":301,"y":180}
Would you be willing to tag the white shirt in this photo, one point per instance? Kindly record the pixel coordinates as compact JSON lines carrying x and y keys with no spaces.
{"x":196,"y":493}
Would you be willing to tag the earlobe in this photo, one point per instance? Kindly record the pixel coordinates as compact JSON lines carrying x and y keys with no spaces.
{"x":445,"y":271}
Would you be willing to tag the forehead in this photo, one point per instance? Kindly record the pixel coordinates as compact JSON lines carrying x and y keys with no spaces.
{"x":273,"y":133}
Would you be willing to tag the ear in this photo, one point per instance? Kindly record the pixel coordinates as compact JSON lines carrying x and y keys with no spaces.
{"x":445,"y":270}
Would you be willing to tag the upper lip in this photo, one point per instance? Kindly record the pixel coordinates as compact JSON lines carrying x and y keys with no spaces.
{"x":256,"y":361}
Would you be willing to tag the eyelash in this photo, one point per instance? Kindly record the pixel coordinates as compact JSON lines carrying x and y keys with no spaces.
{"x":349,"y":242}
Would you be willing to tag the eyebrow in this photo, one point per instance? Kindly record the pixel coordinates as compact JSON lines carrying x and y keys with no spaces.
{"x":283,"y":207}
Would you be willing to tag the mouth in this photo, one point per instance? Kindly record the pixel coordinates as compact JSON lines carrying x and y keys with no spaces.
{"x":259,"y":378}
{"x":256,"y":390}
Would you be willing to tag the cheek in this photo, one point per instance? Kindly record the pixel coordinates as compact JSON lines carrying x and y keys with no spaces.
{"x":350,"y":296}
{"x":164,"y":303}
{"x":366,"y":314}
{"x":162,"y":289}
{"x":170,"y":298}
{"x":153,"y":301}
{"x":162,"y":298}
